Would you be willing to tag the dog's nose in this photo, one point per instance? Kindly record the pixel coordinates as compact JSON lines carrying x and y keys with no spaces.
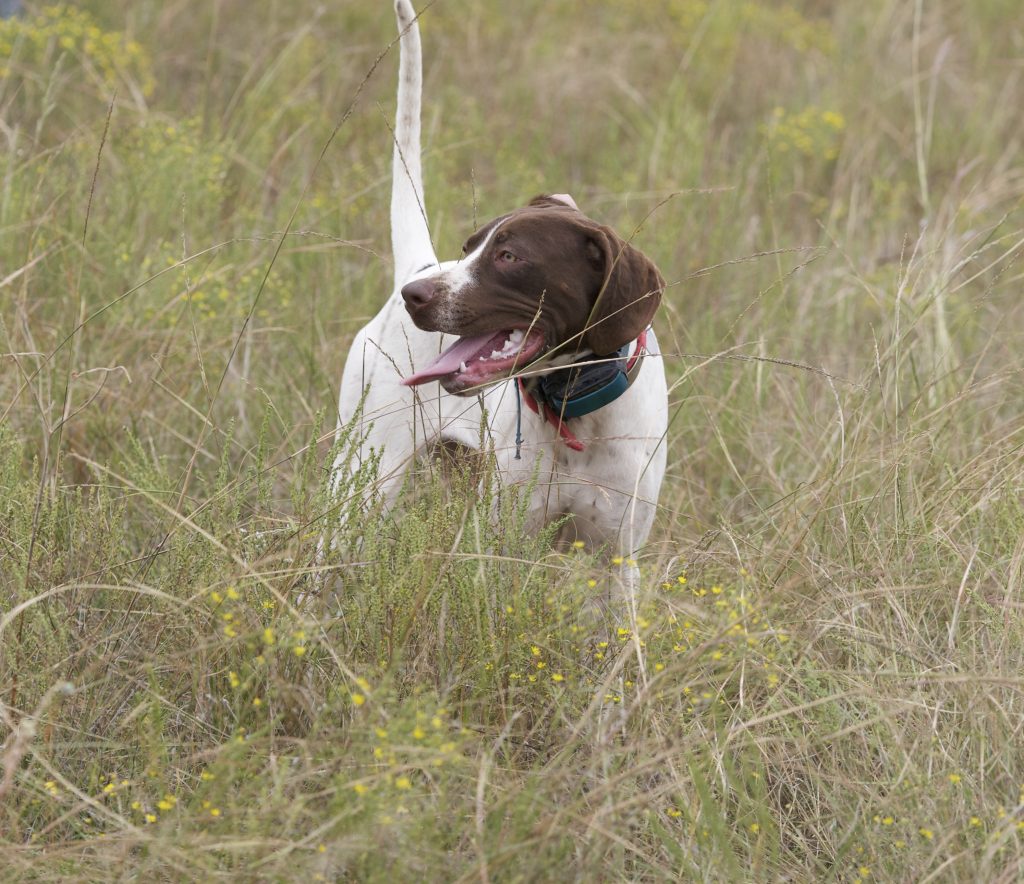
{"x":418,"y":293}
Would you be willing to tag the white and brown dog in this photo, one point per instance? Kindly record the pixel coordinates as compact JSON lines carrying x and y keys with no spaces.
{"x":546,"y":308}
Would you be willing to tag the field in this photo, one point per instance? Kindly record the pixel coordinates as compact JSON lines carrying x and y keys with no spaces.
{"x":823,"y":675}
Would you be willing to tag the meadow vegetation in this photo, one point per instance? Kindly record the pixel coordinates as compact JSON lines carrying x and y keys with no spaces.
{"x":821,"y":678}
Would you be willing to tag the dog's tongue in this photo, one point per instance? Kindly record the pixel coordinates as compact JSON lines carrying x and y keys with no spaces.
{"x":450,"y":360}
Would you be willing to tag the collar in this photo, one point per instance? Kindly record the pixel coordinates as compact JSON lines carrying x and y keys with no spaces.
{"x":583,"y":387}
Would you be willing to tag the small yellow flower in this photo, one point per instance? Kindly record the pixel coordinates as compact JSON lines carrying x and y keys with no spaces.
{"x":436,"y":722}
{"x":214,"y":811}
{"x":358,"y":699}
{"x":925,"y":833}
{"x":107,"y":789}
{"x":888,"y":820}
{"x":975,"y":821}
{"x":206,"y":776}
{"x":321,"y":848}
{"x":591,"y":583}
{"x":755,"y":827}
{"x":234,"y":679}
{"x":216,"y":597}
{"x":299,"y":650}
{"x":230,"y":632}
{"x":257,"y":702}
{"x":360,"y":788}
{"x":577,"y":544}
{"x":954,"y":778}
{"x":674,"y":812}
{"x":535,"y":651}
{"x":51,"y":787}
{"x":864,"y":872}
{"x":558,"y":677}
{"x":233,"y":594}
{"x":268,"y":636}
{"x":135,"y":805}
{"x":418,"y":733}
{"x":403,"y":783}
{"x":150,"y":817}
{"x":617,"y":560}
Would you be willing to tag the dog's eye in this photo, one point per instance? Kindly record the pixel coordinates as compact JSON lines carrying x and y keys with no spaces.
{"x":465,"y":248}
{"x":507,"y":257}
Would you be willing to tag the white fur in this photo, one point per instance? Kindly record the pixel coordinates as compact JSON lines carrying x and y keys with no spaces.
{"x":611,"y":487}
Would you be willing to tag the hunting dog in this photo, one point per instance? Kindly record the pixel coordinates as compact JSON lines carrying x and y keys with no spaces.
{"x":539,"y":336}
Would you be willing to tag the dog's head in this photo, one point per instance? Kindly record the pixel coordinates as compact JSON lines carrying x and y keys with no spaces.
{"x":540,"y":283}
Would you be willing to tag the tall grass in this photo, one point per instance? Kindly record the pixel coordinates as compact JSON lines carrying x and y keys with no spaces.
{"x":822,"y":676}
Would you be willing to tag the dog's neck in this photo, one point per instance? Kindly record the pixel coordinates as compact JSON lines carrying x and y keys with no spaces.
{"x":585,"y":385}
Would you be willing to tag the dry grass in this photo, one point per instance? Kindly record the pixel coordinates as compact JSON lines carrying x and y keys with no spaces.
{"x":822,"y":679}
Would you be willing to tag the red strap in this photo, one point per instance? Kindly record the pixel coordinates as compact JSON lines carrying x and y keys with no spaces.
{"x":641,"y":348}
{"x":568,"y":437}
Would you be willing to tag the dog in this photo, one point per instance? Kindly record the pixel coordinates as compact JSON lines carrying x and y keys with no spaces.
{"x":553,"y":369}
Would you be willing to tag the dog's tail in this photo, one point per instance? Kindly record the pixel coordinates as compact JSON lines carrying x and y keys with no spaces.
{"x":410,"y":234}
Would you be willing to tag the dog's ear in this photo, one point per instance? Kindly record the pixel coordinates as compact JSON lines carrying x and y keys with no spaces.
{"x":627,"y":299}
{"x":553,"y":201}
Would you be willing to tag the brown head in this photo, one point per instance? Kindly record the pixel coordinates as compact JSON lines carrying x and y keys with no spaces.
{"x":542,"y":282}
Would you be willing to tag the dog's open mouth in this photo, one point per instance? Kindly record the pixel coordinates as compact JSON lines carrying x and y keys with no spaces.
{"x":481,"y":359}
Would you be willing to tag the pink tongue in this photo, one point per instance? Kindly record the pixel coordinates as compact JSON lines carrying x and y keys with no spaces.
{"x":450,"y":360}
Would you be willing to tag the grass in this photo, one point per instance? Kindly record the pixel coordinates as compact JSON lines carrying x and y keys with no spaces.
{"x":822,"y":677}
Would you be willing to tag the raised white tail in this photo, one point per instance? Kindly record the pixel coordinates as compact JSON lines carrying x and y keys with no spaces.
{"x":410,"y":234}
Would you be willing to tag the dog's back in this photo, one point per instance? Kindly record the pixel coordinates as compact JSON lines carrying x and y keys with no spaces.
{"x":394,"y":419}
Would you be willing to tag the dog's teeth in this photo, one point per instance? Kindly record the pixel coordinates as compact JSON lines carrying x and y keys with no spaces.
{"x":462,"y":366}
